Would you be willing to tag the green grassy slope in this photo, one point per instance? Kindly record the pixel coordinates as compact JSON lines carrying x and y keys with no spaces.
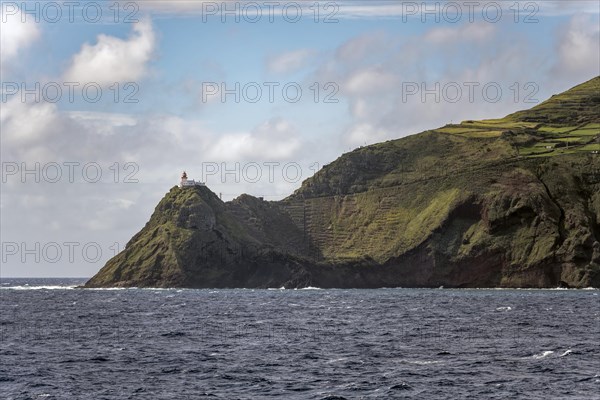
{"x":572,"y":117}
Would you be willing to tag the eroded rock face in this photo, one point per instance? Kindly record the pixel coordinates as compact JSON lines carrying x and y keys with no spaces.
{"x":196,"y":216}
{"x":596,"y":253}
{"x":519,"y":198}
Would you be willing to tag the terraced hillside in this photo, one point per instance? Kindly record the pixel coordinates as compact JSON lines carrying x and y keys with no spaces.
{"x":511,"y":202}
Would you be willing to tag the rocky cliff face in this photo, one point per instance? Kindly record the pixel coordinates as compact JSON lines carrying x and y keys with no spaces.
{"x":513,"y":202}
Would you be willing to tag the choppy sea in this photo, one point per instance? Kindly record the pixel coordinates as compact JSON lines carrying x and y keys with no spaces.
{"x":60,"y":342}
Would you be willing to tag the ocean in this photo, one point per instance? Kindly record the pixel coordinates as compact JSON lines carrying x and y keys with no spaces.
{"x":60,"y":342}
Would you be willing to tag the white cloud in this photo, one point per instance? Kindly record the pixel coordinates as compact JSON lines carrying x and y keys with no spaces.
{"x":273,"y":140}
{"x":359,"y":108}
{"x":369,"y":80}
{"x":16,"y":34}
{"x":561,"y":7}
{"x":476,"y":32}
{"x":25,"y":123}
{"x":112,"y":59}
{"x":290,"y":61}
{"x":185,"y":8}
{"x":357,"y":9}
{"x":360,"y":47}
{"x":364,"y":134}
{"x":578,"y":48}
{"x":376,"y":9}
{"x":102,"y":123}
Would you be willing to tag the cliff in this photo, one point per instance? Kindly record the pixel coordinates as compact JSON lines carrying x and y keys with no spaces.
{"x":512,"y":202}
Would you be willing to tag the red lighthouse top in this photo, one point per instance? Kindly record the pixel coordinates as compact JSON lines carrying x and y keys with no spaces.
{"x":184,"y":176}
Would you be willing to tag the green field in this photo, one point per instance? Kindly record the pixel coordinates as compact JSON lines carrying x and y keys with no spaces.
{"x":553,"y":129}
{"x":585,"y":132}
{"x":590,"y":147}
{"x":572,"y":139}
{"x":501,"y":123}
{"x":592,"y":126}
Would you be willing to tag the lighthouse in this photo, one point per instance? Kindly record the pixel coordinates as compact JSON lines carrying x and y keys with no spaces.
{"x":184,"y":182}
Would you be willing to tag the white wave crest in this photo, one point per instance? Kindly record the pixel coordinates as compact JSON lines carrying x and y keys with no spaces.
{"x":48,"y":287}
{"x":543,"y":354}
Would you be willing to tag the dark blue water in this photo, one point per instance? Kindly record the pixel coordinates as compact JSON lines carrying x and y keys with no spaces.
{"x":297,"y":344}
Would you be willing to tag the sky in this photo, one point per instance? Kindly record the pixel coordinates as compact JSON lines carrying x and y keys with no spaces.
{"x":105,"y":103}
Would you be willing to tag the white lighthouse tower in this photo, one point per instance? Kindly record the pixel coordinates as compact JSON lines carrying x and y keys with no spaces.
{"x":184,"y":182}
